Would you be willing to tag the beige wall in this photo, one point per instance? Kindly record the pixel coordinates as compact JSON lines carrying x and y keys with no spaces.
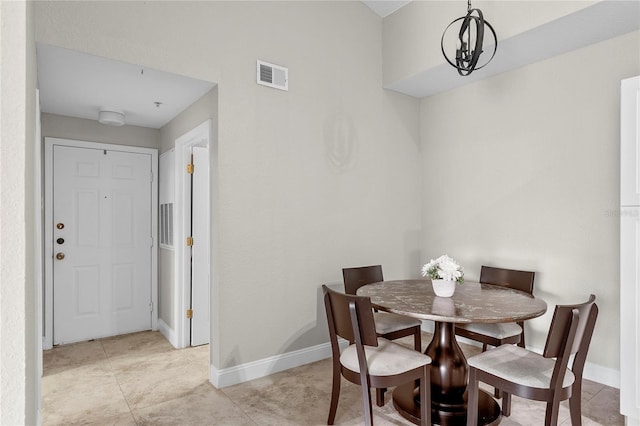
{"x":59,"y":126}
{"x":522,"y":170}
{"x":411,"y":42}
{"x":19,"y":389}
{"x":290,"y":217}
{"x":197,"y":113}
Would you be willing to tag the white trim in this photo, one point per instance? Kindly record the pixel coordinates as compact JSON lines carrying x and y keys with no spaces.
{"x":264,"y":367}
{"x":604,"y":375}
{"x":198,"y":135}
{"x":630,"y":250}
{"x":49,"y":143}
{"x":267,"y":366}
{"x":594,"y":372}
{"x":39,"y":272}
{"x":167,"y":332}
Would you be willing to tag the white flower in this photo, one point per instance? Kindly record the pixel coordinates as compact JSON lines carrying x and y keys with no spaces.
{"x":444,"y":268}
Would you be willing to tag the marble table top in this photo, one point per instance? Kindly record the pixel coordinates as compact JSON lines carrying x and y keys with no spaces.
{"x":472,"y":302}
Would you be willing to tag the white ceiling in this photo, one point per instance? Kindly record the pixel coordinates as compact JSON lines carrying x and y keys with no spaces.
{"x":385,"y":7}
{"x":76,"y":84}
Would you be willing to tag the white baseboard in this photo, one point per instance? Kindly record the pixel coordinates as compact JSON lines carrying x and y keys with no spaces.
{"x":264,"y":367}
{"x":604,"y":375}
{"x":167,"y":332}
{"x":594,"y":372}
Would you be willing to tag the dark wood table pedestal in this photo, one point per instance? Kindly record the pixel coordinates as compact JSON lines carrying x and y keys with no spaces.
{"x":449,"y":378}
{"x":471,"y":303}
{"x":403,"y":400}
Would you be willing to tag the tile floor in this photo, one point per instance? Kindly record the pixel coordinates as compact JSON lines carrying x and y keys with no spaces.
{"x":139,"y":379}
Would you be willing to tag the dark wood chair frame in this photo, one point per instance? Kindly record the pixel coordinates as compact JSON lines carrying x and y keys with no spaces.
{"x":569,"y":334}
{"x":356,"y":277}
{"x":518,"y":280}
{"x":351,"y":317}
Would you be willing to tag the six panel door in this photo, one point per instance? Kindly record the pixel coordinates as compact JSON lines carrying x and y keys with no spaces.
{"x":102,"y":243}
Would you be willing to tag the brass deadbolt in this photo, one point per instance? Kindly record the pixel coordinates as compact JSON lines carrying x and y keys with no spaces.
{"x":60,"y":256}
{"x":60,"y":225}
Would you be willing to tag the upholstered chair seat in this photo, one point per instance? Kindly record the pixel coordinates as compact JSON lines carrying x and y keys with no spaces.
{"x":552,"y":377}
{"x":499,"y":334}
{"x":386,"y":359}
{"x":388,"y":325}
{"x":387,"y":322}
{"x":519,"y":366}
{"x":496,"y":331}
{"x":369,"y":360}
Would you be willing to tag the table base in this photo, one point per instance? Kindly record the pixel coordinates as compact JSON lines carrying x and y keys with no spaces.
{"x":489,"y":412}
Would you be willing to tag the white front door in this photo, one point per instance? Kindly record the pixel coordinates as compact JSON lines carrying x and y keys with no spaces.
{"x":102,"y":243}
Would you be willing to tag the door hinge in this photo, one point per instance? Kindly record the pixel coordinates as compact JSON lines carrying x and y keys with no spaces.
{"x":151,"y":307}
{"x":190,"y":168}
{"x":189,"y":313}
{"x":189,"y":241}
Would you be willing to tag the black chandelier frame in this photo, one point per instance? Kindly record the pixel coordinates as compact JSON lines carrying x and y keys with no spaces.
{"x":467,"y":56}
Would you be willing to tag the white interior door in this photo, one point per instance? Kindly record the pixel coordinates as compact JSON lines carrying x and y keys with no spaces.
{"x":200,"y":249}
{"x":102,"y":243}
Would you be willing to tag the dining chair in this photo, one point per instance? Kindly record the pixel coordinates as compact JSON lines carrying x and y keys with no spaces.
{"x":545,"y":377}
{"x":388,"y":325}
{"x":502,"y":333}
{"x":369,"y":360}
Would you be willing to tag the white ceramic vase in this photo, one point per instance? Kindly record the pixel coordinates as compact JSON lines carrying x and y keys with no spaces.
{"x":444,"y":288}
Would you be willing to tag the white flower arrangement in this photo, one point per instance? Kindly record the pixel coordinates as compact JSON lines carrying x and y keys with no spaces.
{"x":444,"y":268}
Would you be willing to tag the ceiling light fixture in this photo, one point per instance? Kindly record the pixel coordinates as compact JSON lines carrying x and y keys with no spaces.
{"x":111,"y":116}
{"x":469,"y":41}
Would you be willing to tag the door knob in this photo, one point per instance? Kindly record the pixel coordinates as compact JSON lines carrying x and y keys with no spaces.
{"x":60,"y":225}
{"x":60,"y":256}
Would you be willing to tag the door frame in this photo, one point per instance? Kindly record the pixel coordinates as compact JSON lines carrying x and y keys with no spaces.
{"x":49,"y":144}
{"x":199,"y":135}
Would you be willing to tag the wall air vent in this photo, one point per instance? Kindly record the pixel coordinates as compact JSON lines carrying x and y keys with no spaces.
{"x":272,"y":75}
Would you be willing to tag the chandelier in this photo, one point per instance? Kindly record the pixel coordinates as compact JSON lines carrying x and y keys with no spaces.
{"x":469,"y":41}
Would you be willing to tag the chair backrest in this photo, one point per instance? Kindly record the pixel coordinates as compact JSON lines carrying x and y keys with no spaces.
{"x":519,"y":280}
{"x":560,"y":324}
{"x":570,"y":333}
{"x":354,"y":278}
{"x":339,"y":306}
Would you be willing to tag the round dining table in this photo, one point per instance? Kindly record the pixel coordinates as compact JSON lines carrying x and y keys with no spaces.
{"x":472,"y":302}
